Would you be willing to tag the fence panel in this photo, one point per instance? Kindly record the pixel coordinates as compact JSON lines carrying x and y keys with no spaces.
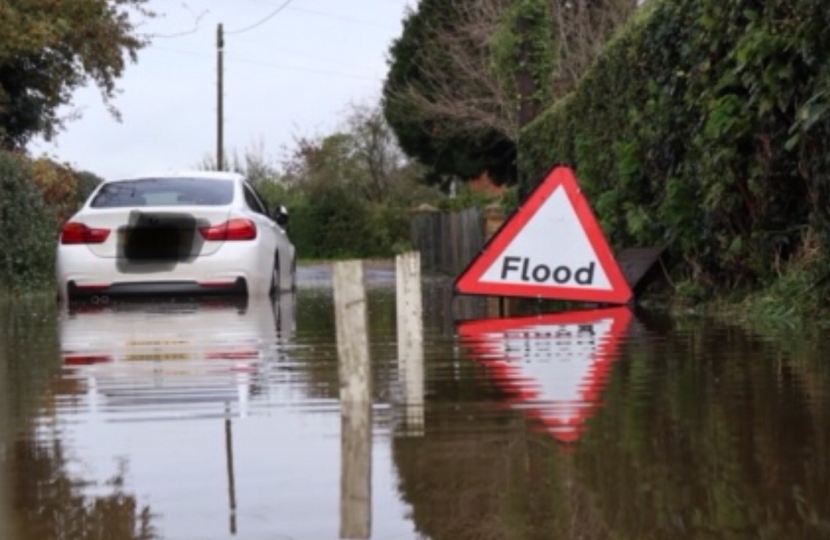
{"x":447,"y":241}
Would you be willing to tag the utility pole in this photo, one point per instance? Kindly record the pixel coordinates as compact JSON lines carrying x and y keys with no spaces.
{"x":220,"y":119}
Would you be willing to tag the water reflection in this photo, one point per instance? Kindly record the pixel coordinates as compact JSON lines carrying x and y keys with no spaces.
{"x":701,"y":431}
{"x":41,"y":495}
{"x":205,"y":421}
{"x":138,"y":361}
{"x":151,"y":362}
{"x":223,"y":413}
{"x":553,"y":367}
{"x":54,"y":503}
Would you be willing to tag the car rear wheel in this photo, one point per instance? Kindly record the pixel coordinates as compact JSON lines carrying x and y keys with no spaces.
{"x":294,"y":275}
{"x":275,"y":277}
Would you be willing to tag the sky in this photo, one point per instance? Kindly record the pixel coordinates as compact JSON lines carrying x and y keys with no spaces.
{"x":294,"y":75}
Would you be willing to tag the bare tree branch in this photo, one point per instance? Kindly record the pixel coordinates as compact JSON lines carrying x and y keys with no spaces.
{"x":459,"y":69}
{"x":460,"y":90}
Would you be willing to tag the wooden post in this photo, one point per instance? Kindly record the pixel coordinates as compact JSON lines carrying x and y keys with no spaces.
{"x":493,"y":219}
{"x":6,"y":442}
{"x":230,"y":471}
{"x":220,"y":98}
{"x":355,"y":401}
{"x":410,"y":324}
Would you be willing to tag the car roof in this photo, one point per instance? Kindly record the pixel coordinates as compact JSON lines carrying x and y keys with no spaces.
{"x":217,"y":175}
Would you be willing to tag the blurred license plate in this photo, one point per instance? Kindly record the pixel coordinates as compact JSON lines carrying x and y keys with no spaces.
{"x":154,"y":238}
{"x":156,"y":342}
{"x":157,"y":356}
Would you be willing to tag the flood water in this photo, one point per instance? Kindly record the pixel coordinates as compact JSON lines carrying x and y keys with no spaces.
{"x":222,"y":420}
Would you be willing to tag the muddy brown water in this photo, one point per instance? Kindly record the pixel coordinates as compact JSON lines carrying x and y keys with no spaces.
{"x":218,"y":420}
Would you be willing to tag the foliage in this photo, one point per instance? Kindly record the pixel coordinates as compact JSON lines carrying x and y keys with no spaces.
{"x":254,"y":162}
{"x":51,"y":48}
{"x":330,"y":222}
{"x":27,"y":227}
{"x":466,"y":75}
{"x":467,"y":197}
{"x":703,"y":127}
{"x":36,"y":196}
{"x":351,"y":191}
{"x":797,"y":295}
{"x":348,"y":193}
{"x":527,"y":39}
{"x":86,"y":184}
{"x":510,"y":200}
{"x":436,"y":116}
{"x":58,"y":186}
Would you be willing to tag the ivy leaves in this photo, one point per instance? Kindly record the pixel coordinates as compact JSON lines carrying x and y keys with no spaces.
{"x":706,"y":124}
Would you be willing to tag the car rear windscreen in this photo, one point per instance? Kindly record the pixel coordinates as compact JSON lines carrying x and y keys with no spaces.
{"x":164,"y":192}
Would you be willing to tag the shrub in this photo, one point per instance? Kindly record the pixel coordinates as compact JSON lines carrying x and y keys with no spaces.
{"x":331,"y":222}
{"x":87,"y":182}
{"x":28,"y":227}
{"x":58,"y":185}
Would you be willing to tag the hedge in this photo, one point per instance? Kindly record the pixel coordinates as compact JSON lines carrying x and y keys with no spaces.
{"x":704,"y":127}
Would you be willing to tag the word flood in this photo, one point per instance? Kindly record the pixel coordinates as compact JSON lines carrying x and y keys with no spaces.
{"x":541,"y":273}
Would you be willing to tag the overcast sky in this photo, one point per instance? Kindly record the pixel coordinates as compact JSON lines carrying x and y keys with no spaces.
{"x":294,"y":75}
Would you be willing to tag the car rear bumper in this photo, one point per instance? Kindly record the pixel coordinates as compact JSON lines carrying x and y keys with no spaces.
{"x":236,"y":268}
{"x":237,"y":287}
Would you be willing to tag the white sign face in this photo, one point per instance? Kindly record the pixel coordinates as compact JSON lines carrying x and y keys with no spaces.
{"x":554,"y":367}
{"x":551,"y":249}
{"x":556,"y":361}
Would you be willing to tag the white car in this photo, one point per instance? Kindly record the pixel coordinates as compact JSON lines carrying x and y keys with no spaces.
{"x":187,"y":233}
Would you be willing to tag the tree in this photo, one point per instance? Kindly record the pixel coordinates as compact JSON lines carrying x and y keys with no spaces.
{"x":583,"y":29}
{"x":348,"y":192}
{"x":51,"y":48}
{"x":362,"y":156}
{"x":439,"y":96}
{"x":466,"y":75}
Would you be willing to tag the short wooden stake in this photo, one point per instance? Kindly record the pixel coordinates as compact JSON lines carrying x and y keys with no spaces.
{"x":410,"y":327}
{"x":355,"y":401}
{"x":6,"y":443}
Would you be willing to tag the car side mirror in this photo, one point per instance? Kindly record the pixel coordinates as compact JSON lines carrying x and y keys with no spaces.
{"x":281,"y":215}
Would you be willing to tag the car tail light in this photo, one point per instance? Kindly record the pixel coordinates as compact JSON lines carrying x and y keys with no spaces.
{"x":234,"y":229}
{"x":86,"y":359}
{"x":78,"y":233}
{"x":233,"y":355}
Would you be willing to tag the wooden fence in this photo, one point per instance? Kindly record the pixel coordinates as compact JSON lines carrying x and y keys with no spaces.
{"x":448,"y":241}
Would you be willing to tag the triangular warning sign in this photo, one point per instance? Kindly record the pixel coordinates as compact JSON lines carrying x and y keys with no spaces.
{"x":551,"y":367}
{"x":551,"y":247}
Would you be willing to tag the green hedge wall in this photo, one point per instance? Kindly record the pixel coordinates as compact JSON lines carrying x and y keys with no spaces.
{"x":704,"y":127}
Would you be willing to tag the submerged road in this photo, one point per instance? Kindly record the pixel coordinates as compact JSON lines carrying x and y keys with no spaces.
{"x":222,"y":420}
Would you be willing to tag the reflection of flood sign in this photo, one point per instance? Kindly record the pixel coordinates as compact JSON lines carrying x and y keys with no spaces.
{"x":551,"y":247}
{"x":553,"y":367}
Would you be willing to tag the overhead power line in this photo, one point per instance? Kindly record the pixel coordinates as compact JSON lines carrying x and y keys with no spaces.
{"x":250,"y":61}
{"x":263,"y":20}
